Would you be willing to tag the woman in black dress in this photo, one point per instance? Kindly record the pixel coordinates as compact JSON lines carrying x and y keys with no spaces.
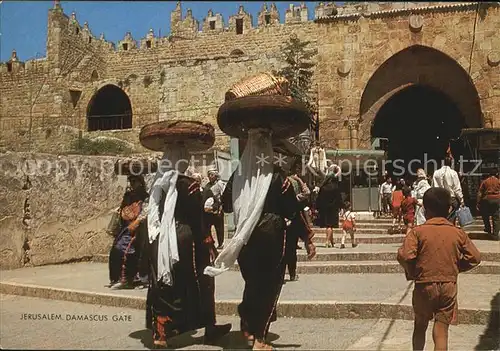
{"x":183,"y":298}
{"x":261,"y":260}
{"x":329,"y":203}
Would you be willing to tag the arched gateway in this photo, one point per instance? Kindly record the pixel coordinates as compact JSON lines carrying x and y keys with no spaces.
{"x":109,"y":109}
{"x":419,"y":99}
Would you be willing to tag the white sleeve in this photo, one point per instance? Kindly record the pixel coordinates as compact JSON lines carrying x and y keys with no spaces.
{"x":457,"y":187}
{"x":209,"y":203}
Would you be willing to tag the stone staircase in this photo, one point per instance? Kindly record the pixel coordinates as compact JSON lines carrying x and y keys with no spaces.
{"x":357,"y":283}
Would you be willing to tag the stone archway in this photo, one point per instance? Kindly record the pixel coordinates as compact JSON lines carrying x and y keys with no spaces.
{"x":419,"y":99}
{"x":109,"y":109}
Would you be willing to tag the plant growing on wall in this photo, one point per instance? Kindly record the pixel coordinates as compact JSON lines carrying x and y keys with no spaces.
{"x":87,"y":146}
{"x":147,"y":81}
{"x":162,"y":77}
{"x":298,"y":70}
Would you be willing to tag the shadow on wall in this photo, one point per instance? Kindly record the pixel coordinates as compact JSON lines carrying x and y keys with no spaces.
{"x":490,"y":340}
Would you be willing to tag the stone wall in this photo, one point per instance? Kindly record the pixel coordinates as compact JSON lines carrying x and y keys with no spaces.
{"x":185,"y":74}
{"x":55,"y":209}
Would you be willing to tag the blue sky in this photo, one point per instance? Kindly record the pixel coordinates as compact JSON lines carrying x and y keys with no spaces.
{"x":23,"y":24}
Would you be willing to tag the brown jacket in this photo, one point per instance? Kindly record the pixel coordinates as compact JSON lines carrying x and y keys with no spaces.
{"x":489,"y":189}
{"x":437,"y":251}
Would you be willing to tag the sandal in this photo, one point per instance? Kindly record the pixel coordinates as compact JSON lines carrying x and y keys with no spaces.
{"x":263,"y":347}
{"x":159,"y":344}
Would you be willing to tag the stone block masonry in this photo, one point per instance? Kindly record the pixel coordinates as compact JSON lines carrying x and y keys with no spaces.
{"x":55,"y":209}
{"x":185,"y":74}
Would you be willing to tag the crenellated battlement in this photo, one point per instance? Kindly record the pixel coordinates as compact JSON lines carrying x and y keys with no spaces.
{"x":78,"y":33}
{"x":365,"y":52}
{"x":16,"y":66}
{"x":186,"y":27}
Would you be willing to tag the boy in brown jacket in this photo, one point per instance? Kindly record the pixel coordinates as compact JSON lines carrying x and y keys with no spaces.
{"x":433,"y":254}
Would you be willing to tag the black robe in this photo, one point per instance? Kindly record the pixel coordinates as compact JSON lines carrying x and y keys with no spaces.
{"x":261,"y":259}
{"x":175,"y":309}
{"x":329,"y":203}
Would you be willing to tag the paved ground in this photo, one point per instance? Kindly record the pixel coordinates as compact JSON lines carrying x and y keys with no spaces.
{"x":475,"y":290}
{"x":129,"y":333}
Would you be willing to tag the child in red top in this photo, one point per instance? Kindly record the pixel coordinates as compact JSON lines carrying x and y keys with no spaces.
{"x":348,"y":225}
{"x":408,"y":206}
{"x":397,"y":199}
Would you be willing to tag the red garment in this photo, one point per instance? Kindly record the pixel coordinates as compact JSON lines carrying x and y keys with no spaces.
{"x":408,"y":208}
{"x":448,"y":151}
{"x":397,"y":198}
{"x":489,"y":189}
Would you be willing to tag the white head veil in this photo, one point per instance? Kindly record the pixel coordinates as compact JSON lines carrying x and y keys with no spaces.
{"x":250,"y":186}
{"x":174,"y":162}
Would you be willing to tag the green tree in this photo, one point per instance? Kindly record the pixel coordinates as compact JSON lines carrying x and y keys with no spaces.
{"x":298,"y":70}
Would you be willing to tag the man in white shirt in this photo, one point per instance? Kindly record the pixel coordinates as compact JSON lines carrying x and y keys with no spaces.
{"x":447,"y":178}
{"x":213,"y":190}
{"x":386,"y":195}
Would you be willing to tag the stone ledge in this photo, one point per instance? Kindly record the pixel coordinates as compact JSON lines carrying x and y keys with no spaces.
{"x":295,"y":309}
{"x":379,"y":263}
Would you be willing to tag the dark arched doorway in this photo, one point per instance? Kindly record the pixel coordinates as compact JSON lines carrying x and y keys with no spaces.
{"x":419,"y":122}
{"x":419,"y":99}
{"x":109,"y":109}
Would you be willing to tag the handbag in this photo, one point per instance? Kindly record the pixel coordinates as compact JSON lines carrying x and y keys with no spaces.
{"x":464,"y":216}
{"x":114,"y":224}
{"x":347,"y":225}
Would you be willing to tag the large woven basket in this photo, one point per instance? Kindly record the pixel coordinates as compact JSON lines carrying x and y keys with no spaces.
{"x":194,"y":135}
{"x":129,"y":167}
{"x":261,"y":84}
{"x":262,"y":101}
{"x":284,"y":116}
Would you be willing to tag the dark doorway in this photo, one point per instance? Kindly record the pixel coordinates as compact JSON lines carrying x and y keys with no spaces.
{"x":420,"y":122}
{"x":239,"y":26}
{"x":109,"y":109}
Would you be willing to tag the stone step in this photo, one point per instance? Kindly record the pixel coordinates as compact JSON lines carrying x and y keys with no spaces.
{"x":477,"y":235}
{"x":379,"y":231}
{"x":353,"y":296}
{"x":345,"y":255}
{"x":320,"y":238}
{"x":388,"y":225}
{"x":358,"y":266}
{"x":371,"y":252}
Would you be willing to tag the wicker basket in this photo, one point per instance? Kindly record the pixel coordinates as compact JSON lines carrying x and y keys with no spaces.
{"x":261,"y":84}
{"x":284,"y":116}
{"x":194,"y":135}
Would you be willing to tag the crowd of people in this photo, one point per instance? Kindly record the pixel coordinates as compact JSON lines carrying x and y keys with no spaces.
{"x":404,"y":203}
{"x":180,"y":282}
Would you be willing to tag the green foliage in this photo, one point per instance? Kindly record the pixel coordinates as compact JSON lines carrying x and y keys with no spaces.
{"x":299,"y":71}
{"x":87,"y":146}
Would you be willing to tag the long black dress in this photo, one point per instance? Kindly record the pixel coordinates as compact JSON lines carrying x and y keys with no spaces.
{"x":173,"y":310}
{"x":261,"y":259}
{"x":329,"y":203}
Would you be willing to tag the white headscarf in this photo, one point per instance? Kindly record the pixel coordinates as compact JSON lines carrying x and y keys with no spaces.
{"x":173,"y":163}
{"x":251,"y":183}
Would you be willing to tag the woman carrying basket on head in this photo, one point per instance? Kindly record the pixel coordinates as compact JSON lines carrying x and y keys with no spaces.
{"x":261,"y":198}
